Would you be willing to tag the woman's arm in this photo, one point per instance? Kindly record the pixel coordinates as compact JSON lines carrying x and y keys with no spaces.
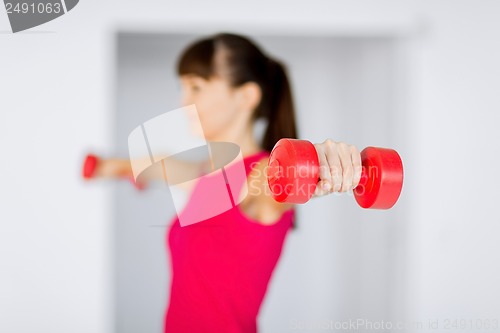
{"x":179,"y":171}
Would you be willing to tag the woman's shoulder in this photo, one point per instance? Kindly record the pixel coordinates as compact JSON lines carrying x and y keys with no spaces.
{"x":260,"y":204}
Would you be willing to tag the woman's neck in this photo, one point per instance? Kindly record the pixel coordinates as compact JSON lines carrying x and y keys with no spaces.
{"x":244,"y":139}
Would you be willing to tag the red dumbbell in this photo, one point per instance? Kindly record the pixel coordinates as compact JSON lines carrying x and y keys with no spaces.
{"x":90,"y":165}
{"x":293,"y":174}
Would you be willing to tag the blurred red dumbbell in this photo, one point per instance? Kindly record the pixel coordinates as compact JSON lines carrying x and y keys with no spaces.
{"x":293,"y":173}
{"x":90,"y":165}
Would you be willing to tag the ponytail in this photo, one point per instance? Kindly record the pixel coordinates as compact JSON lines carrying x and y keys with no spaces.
{"x":280,"y":114}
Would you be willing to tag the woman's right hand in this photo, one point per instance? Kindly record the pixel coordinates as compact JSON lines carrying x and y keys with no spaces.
{"x":339,"y":167}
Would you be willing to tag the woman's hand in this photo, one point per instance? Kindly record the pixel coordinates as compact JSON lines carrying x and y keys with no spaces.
{"x":339,"y":167}
{"x":112,"y":168}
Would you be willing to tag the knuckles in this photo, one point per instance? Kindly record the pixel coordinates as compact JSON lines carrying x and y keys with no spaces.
{"x":338,"y":146}
{"x":343,"y":177}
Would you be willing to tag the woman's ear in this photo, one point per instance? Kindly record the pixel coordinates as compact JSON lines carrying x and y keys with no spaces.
{"x":250,"y":95}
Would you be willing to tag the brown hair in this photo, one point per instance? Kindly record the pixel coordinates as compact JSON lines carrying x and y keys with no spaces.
{"x":244,"y":61}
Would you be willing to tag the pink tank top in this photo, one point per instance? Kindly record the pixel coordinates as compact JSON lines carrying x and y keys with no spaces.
{"x":221,"y":268}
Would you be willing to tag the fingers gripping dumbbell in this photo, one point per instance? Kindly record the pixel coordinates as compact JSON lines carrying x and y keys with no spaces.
{"x":293,"y":173}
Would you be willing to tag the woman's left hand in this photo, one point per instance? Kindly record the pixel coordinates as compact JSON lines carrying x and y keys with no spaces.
{"x":339,"y":167}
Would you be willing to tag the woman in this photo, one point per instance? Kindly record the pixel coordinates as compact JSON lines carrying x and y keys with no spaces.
{"x":221,"y":267}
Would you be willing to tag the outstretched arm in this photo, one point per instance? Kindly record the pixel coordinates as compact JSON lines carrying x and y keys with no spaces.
{"x":179,"y":171}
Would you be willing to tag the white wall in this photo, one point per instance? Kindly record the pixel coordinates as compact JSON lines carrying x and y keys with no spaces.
{"x":55,"y":91}
{"x":456,"y":252}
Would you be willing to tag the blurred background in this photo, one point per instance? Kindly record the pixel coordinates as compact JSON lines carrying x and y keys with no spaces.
{"x":422,"y":77}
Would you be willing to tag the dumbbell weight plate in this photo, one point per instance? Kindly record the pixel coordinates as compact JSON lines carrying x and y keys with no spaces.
{"x":89,"y":166}
{"x":382,"y":178}
{"x":293,"y":170}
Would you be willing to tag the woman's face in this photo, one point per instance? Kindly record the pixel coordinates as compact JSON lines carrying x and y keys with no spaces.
{"x":216,"y":102}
